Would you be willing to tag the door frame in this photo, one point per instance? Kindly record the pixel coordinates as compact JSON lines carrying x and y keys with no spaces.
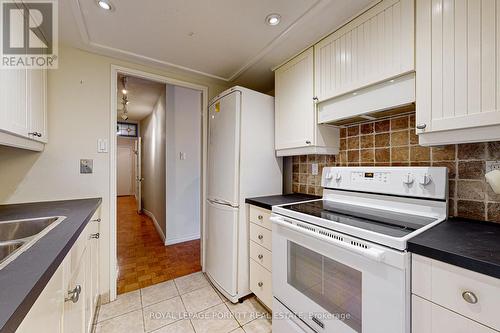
{"x":115,"y":70}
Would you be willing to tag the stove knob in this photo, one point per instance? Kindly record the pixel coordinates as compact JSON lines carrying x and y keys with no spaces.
{"x":328,"y":176}
{"x":408,"y":179}
{"x":338,"y":176}
{"x":425,"y":179}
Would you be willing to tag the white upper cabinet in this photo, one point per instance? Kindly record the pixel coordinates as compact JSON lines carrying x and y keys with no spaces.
{"x":376,"y":46}
{"x":23,"y":108}
{"x":294,"y":102}
{"x":296,"y":127}
{"x":458,"y":70}
{"x":13,"y":101}
{"x":38,"y":104}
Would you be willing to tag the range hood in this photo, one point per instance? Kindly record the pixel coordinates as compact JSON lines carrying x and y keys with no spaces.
{"x":388,"y":98}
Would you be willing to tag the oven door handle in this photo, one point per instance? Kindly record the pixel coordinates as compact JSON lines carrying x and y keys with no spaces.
{"x":370,"y":253}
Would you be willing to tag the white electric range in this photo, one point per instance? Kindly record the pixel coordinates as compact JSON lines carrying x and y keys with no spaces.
{"x":340,"y":263}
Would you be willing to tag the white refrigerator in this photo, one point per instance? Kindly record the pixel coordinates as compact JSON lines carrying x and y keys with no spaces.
{"x":241,"y":164}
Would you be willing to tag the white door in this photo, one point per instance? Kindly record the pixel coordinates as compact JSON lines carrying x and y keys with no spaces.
{"x":222,"y":241}
{"x":138,"y":173}
{"x":223,"y":149}
{"x":124,"y":180}
{"x":295,"y":110}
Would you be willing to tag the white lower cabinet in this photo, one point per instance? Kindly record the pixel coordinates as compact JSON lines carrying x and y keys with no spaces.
{"x":261,"y":255}
{"x":46,"y":314}
{"x":69,"y":300}
{"x":428,"y":317}
{"x":447,"y":298}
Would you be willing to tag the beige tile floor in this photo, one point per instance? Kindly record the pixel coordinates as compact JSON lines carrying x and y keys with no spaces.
{"x":184,"y":305}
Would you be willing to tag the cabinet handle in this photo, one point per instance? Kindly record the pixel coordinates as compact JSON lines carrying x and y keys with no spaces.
{"x":37,"y":134}
{"x":94,"y":236}
{"x":315,"y":98}
{"x":260,"y":284}
{"x":96,"y":220}
{"x":260,"y":256}
{"x":74,"y":295}
{"x":260,"y":237}
{"x":421,"y":126}
{"x":308,"y":142}
{"x":469,"y":297}
{"x":260,"y":217}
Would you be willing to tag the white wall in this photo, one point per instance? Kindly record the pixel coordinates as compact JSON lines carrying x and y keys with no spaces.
{"x":79,"y":102}
{"x":153,"y":164}
{"x":125,"y":165}
{"x":183,"y":176}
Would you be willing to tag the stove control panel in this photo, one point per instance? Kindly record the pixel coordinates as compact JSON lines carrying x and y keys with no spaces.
{"x":427,"y":182}
{"x":373,"y":177}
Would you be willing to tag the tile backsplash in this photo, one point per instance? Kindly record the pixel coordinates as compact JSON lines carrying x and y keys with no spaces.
{"x":393,"y":142}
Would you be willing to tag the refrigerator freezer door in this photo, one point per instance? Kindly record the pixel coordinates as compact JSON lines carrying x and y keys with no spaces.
{"x":222,"y":246}
{"x":223,"y":149}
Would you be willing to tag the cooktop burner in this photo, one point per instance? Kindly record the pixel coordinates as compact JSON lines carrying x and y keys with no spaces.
{"x":377,"y":220}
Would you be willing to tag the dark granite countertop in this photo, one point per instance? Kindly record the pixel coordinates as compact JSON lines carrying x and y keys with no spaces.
{"x":272,"y":200}
{"x":469,"y":244}
{"x":22,"y":280}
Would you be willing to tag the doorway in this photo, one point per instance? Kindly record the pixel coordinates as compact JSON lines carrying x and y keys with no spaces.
{"x":159,"y":180}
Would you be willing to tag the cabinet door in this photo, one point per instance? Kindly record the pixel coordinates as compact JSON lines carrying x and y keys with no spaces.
{"x":428,"y":317}
{"x":377,"y":45}
{"x":294,"y":105}
{"x":13,"y":101}
{"x":74,"y":310}
{"x":37,"y":104}
{"x":91,"y":274}
{"x":46,"y":314}
{"x":458,"y":64}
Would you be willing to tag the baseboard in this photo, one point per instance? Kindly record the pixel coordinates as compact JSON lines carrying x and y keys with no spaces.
{"x":182,"y":239}
{"x":157,"y":226}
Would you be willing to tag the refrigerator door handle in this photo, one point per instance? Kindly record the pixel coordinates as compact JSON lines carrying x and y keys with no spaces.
{"x":222,"y":202}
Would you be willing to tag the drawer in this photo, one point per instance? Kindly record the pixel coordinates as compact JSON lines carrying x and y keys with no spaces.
{"x":76,"y":252}
{"x":261,"y":236}
{"x":261,"y":283}
{"x":428,"y":317}
{"x":261,"y":255}
{"x":446,"y":285}
{"x":261,"y":217}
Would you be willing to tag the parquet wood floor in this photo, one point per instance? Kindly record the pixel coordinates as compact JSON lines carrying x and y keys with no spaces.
{"x":143,"y":259}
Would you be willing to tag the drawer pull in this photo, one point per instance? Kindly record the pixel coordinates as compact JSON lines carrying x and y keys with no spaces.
{"x":260,"y":284}
{"x":469,"y":297}
{"x":261,"y":237}
{"x":260,"y":217}
{"x":74,"y":295}
{"x":94,"y":236}
{"x":260,"y":256}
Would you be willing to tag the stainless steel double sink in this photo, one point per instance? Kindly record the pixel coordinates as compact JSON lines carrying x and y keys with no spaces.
{"x":17,"y":236}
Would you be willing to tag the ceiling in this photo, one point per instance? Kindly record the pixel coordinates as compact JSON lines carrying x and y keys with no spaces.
{"x":142,"y":95}
{"x":226,"y":40}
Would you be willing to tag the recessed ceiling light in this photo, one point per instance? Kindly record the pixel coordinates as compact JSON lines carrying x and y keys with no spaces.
{"x":106,"y":5}
{"x":273,"y":19}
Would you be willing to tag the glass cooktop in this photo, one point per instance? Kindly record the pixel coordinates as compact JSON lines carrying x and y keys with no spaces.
{"x":377,"y":220}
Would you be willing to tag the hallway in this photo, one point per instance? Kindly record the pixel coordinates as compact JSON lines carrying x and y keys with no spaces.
{"x":143,"y":259}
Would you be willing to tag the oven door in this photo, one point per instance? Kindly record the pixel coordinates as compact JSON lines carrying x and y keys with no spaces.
{"x":337,"y":283}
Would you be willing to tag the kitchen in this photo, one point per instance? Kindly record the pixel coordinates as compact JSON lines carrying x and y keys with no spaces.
{"x":385,"y":124}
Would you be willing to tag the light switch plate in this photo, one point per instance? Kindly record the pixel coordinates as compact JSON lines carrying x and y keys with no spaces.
{"x":102,"y":145}
{"x":86,"y":166}
{"x":492,"y":165}
{"x":314,"y":169}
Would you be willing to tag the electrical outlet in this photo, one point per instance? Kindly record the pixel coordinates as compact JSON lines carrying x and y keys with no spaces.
{"x":492,"y":165}
{"x":86,"y":166}
{"x":314,"y":169}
